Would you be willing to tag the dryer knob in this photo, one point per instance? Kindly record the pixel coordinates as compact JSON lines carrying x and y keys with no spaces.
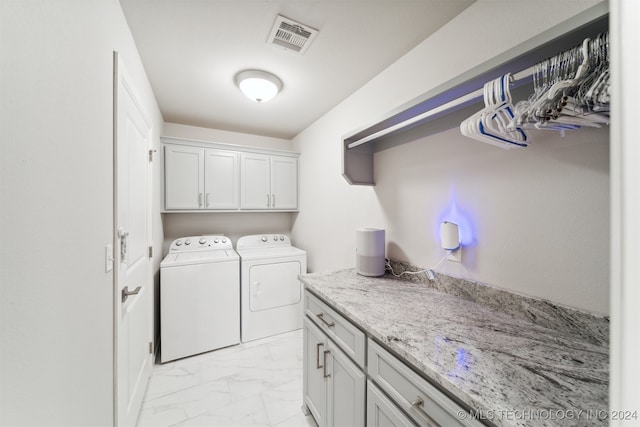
{"x":202,"y":241}
{"x":264,"y":238}
{"x":187,"y":242}
{"x":275,"y":238}
{"x":282,"y":238}
{"x":216,"y":241}
{"x":224,"y":240}
{"x":179,"y":243}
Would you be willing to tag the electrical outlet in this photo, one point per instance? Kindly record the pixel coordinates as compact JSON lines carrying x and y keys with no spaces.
{"x":456,"y":255}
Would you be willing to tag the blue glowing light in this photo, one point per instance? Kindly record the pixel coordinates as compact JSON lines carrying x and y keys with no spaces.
{"x":455,"y":214}
{"x":462,"y":360}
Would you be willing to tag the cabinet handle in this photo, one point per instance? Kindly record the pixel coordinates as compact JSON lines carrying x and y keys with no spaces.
{"x":318,"y":365}
{"x":268,"y":200}
{"x":329,"y":324}
{"x":417,"y":405}
{"x":199,"y":200}
{"x":206,"y":200}
{"x":324,"y":367}
{"x":273,"y":200}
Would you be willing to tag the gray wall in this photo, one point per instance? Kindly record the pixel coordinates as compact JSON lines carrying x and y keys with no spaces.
{"x":56,"y":209}
{"x":535,"y":221}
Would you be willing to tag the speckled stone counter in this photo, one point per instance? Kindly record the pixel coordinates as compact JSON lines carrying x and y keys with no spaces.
{"x":517,"y":361}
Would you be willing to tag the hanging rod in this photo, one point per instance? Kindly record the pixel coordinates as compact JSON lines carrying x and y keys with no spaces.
{"x":524,"y":75}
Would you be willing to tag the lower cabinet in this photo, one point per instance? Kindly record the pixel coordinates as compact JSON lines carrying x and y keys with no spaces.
{"x":422,"y":402}
{"x":341,"y":389}
{"x":334,"y":386}
{"x":382,"y":412}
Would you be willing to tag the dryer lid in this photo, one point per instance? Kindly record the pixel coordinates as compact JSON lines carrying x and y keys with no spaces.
{"x":273,"y":252}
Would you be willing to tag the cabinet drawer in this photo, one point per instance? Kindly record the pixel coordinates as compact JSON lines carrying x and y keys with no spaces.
{"x":349,"y":338}
{"x":381,"y":411}
{"x":422,"y":401}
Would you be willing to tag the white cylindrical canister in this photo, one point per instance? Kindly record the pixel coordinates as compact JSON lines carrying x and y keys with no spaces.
{"x":449,"y":237}
{"x":370,"y":246}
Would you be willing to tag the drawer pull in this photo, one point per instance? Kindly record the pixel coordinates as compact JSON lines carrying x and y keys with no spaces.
{"x":318,"y":365}
{"x":329,"y":324}
{"x":324,"y":368}
{"x":417,"y":405}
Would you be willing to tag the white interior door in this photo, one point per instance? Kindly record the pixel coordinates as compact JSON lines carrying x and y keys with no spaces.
{"x":133,"y":315}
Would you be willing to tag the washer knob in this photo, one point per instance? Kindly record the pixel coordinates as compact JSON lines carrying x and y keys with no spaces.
{"x":275,"y":238}
{"x":264,"y":238}
{"x":187,"y":242}
{"x":216,"y":241}
{"x":179,"y":243}
{"x":224,"y":240}
{"x":202,"y":241}
{"x":282,"y":238}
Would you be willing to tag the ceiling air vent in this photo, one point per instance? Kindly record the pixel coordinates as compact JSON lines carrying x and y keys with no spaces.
{"x":291,"y":35}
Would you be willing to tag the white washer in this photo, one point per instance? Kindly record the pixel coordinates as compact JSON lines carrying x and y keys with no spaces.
{"x":199,"y":297}
{"x":270,"y":289}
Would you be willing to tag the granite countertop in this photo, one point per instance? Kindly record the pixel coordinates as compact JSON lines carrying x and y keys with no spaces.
{"x":514,"y":370}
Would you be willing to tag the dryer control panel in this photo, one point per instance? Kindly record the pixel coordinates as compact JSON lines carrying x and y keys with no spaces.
{"x":263,"y":241}
{"x":200,"y":243}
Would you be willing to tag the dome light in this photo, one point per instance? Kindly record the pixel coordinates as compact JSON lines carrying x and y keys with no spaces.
{"x":258,"y":86}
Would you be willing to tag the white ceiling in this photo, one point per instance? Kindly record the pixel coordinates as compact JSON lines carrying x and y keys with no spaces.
{"x":192,"y":49}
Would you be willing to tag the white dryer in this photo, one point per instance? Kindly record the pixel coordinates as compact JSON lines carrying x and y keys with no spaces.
{"x":199,"y":297}
{"x":271,"y":293}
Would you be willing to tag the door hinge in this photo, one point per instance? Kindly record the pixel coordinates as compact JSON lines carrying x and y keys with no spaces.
{"x":150,"y":347}
{"x":150,"y":251}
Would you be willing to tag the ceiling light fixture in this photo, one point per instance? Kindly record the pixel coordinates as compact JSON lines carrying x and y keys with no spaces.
{"x":258,"y":86}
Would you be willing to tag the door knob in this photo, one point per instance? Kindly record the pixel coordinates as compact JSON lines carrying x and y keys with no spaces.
{"x":126,"y":293}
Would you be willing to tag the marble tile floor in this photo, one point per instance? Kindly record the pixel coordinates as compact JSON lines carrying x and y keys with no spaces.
{"x":251,"y":384}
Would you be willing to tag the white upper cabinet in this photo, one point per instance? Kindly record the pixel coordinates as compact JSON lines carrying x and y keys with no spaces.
{"x":284,"y":182}
{"x":256,"y":181}
{"x":221,"y":179}
{"x":269,"y":182}
{"x":201,"y":176}
{"x":184,"y":177}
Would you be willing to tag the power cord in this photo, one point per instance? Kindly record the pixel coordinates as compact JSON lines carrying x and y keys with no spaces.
{"x":428,"y":271}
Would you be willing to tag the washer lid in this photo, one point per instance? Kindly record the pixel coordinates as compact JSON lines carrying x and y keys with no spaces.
{"x":277,"y":252}
{"x":198,"y":257}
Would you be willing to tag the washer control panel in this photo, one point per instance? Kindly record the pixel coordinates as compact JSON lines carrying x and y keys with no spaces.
{"x":263,"y":241}
{"x":200,"y":243}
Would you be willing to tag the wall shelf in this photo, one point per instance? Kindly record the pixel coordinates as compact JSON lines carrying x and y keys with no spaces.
{"x":445,"y":106}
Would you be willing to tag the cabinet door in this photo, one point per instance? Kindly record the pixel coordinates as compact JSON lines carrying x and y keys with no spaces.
{"x":221,"y":180}
{"x":346,"y":391}
{"x":382,"y":412}
{"x":284,"y":182}
{"x":313,"y":376}
{"x":184,"y":177}
{"x":255,"y":181}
